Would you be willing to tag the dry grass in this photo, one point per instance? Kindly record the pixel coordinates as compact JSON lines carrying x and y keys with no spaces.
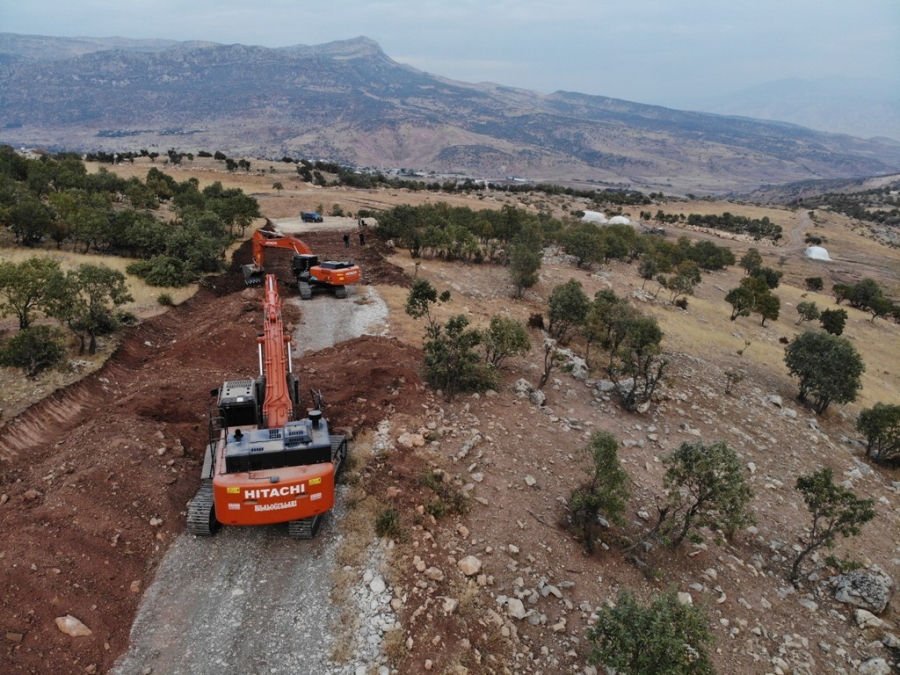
{"x":145,"y":297}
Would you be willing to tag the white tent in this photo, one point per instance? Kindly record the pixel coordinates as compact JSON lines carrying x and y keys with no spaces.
{"x":594,"y":217}
{"x":619,"y":220}
{"x":817,"y":253}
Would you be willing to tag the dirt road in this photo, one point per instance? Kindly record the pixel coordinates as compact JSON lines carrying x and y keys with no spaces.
{"x":251,"y":600}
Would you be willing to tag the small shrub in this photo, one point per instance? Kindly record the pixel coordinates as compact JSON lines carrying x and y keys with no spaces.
{"x":387,"y":524}
{"x":682,"y":303}
{"x":666,"y":637}
{"x":706,"y":488}
{"x":814,"y":284}
{"x":34,"y":350}
{"x":165,"y":300}
{"x":835,"y":510}
{"x":450,"y":499}
{"x":605,"y":492}
{"x":880,"y":425}
{"x":536,"y":321}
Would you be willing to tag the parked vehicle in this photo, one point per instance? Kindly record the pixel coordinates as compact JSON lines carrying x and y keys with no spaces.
{"x":308,"y":217}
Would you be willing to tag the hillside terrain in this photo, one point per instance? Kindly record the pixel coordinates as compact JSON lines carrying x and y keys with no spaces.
{"x":351,"y":103}
{"x":95,"y":476}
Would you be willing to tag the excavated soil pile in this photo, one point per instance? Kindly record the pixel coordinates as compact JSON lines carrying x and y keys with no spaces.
{"x":95,"y":479}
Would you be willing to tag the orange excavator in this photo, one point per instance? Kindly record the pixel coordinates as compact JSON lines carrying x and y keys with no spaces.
{"x":263,"y":465}
{"x":310,"y":274}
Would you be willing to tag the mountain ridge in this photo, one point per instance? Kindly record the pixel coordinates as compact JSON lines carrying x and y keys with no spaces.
{"x":348,"y":101}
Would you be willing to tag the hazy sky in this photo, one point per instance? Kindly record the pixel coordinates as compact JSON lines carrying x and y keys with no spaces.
{"x":668,"y":52}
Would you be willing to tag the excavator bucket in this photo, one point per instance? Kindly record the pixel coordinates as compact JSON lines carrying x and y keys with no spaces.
{"x":253,"y":275}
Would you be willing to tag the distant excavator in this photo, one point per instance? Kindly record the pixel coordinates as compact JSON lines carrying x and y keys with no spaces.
{"x":310,"y":274}
{"x":262,"y":464}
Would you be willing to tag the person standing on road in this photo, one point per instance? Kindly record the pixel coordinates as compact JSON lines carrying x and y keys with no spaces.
{"x":362,"y":238}
{"x":346,"y":241}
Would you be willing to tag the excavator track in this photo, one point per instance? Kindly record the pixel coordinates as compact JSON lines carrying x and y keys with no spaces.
{"x":305,"y":290}
{"x":305,"y":528}
{"x":201,"y":518}
{"x":338,"y":452}
{"x":340,"y":292}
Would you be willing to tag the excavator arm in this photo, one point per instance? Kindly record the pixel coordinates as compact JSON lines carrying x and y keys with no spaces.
{"x":278,"y":408}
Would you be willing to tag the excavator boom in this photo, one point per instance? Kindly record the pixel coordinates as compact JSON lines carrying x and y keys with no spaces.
{"x":275,"y":343}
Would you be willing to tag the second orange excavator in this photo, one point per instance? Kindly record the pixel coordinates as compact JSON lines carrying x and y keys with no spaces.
{"x":309,"y":272}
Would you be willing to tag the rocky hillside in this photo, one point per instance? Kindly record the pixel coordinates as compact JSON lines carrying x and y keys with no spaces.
{"x":349,"y":102}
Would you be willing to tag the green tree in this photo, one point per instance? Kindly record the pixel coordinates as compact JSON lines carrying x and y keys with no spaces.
{"x":585,"y":243}
{"x":706,"y":488}
{"x":504,"y":337}
{"x":24,"y":287}
{"x":667,"y":637}
{"x":840,"y":292}
{"x":768,"y":306}
{"x":597,"y":327}
{"x":749,"y":296}
{"x":85,"y":301}
{"x":814,"y":284}
{"x":742,"y":300}
{"x":751,"y":260}
{"x":835,"y":510}
{"x":648,"y":269}
{"x":636,"y":364}
{"x":684,"y":281}
{"x":525,"y":258}
{"x":33,"y":350}
{"x":829,"y":368}
{"x":833,"y":320}
{"x":880,"y":424}
{"x":808,"y":311}
{"x":451,"y":362}
{"x":880,"y":306}
{"x":772,"y":277}
{"x":28,"y":218}
{"x":605,"y":492}
{"x":568,"y":309}
{"x":864,"y":293}
{"x":421,"y":300}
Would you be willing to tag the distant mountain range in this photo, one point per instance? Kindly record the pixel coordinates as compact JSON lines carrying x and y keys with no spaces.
{"x":349,"y":102}
{"x":859,"y":106}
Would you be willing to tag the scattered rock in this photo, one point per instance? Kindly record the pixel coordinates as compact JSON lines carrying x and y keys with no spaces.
{"x":69,"y":625}
{"x":869,"y":590}
{"x":877,"y":666}
{"x":516,"y":608}
{"x":865,"y":619}
{"x":685,"y":598}
{"x":470,"y":565}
